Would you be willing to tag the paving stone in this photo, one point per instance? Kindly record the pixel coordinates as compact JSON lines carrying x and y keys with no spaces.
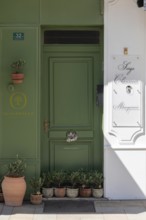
{"x":105,"y":210}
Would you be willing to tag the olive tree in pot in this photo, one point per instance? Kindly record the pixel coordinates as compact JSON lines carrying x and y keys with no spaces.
{"x":36,"y":184}
{"x":14,"y":184}
{"x":97,"y":184}
{"x":85,"y":183}
{"x":59,"y":178}
{"x":72,"y":190}
{"x":47,"y":188}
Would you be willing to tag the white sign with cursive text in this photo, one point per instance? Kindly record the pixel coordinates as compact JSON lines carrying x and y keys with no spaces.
{"x":127,"y":95}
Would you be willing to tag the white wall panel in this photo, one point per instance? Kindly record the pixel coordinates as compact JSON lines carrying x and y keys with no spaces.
{"x":125,"y":141}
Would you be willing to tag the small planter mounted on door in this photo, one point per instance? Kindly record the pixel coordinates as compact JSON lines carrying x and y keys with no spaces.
{"x":17,"y":76}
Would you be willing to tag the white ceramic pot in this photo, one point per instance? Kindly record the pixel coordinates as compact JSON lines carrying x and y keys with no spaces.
{"x":72,"y":193}
{"x":48,"y":192}
{"x":97,"y":193}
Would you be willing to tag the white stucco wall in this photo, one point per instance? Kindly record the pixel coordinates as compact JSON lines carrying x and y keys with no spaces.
{"x":125,"y":142}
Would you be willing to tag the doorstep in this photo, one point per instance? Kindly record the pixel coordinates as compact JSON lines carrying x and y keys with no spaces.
{"x":76,"y":199}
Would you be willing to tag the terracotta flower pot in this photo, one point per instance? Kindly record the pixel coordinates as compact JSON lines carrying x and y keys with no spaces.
{"x":13,"y":190}
{"x":85,"y":192}
{"x":17,"y":78}
{"x":59,"y":192}
{"x":36,"y":199}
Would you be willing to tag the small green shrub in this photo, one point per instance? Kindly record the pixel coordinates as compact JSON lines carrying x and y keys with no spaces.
{"x":16,"y":168}
{"x":36,"y":184}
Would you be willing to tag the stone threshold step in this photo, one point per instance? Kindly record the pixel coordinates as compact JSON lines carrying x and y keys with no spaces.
{"x":76,"y":199}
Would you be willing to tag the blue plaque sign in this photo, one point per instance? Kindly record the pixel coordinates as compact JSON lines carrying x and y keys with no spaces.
{"x":18,"y":36}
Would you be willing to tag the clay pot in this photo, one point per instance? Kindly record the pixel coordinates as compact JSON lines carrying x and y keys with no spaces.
{"x":59,"y":192}
{"x":14,"y":189}
{"x":85,"y":192}
{"x":17,"y":78}
{"x":36,"y":199}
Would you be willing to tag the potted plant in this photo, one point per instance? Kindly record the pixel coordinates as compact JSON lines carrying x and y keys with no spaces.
{"x":59,"y":178}
{"x":97,"y":184}
{"x":17,"y":74}
{"x":36,"y":196}
{"x":14,"y":184}
{"x":47,"y":188}
{"x":73,"y":182}
{"x":85,"y":183}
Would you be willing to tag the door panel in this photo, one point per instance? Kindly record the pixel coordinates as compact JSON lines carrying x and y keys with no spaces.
{"x":70,"y":92}
{"x":71,"y":156}
{"x":71,"y":76}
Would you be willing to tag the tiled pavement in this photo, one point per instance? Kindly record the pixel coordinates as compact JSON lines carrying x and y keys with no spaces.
{"x":105,"y":210}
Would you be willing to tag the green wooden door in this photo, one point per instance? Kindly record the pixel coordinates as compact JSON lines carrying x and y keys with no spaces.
{"x":71,"y":75}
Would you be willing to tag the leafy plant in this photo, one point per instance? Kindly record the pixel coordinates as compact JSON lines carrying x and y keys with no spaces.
{"x":85,"y":178}
{"x":73,"y":179}
{"x":16,"y":168}
{"x":47,"y":179}
{"x":97,"y":179}
{"x":36,"y":184}
{"x":59,"y":178}
{"x":18,"y":65}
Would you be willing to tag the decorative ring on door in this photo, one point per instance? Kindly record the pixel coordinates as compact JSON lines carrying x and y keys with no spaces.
{"x":71,"y":136}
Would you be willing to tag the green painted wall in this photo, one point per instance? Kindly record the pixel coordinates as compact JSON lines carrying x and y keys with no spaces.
{"x":71,"y":12}
{"x":51,"y":12}
{"x":19,"y":12}
{"x":20,"y":107}
{"x":19,"y":112}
